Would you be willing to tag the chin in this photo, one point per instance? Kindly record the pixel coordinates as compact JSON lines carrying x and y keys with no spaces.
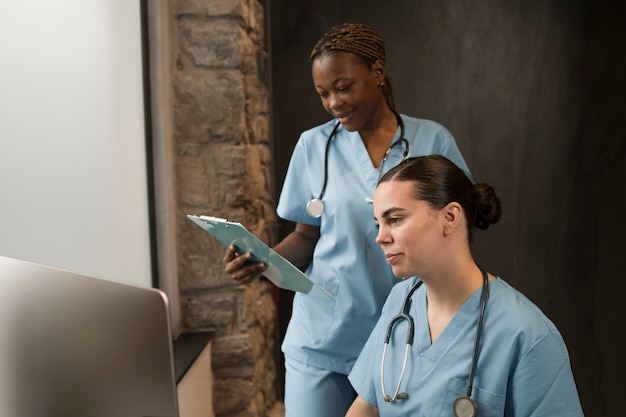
{"x":401,"y":274}
{"x":350,"y":127}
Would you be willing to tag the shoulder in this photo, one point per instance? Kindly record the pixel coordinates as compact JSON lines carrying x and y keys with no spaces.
{"x":522,"y":317}
{"x":312,"y":142}
{"x":324,"y":130}
{"x":502,"y":292}
{"x":427,"y":136}
{"x":425,"y":125}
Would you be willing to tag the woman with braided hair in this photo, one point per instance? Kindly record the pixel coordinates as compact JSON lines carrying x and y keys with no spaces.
{"x":327,"y":192}
{"x":477,"y":346}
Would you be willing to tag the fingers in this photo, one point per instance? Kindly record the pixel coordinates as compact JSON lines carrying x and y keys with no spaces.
{"x":248,"y":273}
{"x":236,"y":266}
{"x":233,"y":260}
{"x":231,"y":253}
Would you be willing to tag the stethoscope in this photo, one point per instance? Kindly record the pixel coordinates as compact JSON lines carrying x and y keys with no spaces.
{"x":464,"y":406}
{"x":315,"y":207}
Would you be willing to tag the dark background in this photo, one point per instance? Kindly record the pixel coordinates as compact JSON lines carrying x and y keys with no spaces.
{"x":533,"y":92}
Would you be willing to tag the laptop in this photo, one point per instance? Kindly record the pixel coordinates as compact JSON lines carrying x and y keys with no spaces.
{"x":74,"y":345}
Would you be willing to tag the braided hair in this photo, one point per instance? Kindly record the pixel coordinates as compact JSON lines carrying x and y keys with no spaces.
{"x":360,"y":40}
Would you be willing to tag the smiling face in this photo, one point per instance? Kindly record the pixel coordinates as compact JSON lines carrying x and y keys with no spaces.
{"x":410,"y":231}
{"x":349,"y":88}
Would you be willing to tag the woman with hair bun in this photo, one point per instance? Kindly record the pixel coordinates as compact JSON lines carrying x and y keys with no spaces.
{"x":453,"y":339}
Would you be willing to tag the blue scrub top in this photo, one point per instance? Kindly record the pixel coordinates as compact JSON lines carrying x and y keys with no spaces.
{"x":347,"y":262}
{"x":523,"y":367}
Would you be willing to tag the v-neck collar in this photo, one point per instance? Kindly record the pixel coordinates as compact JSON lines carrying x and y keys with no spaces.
{"x":368,"y":170}
{"x":430,"y":353}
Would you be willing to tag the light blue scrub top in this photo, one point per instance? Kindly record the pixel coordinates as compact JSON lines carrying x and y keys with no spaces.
{"x":347,"y":262}
{"x":523,"y":367}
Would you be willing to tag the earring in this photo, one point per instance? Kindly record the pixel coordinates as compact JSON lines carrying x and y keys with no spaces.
{"x":382,"y":83}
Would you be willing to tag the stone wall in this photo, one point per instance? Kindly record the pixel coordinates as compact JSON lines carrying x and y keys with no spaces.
{"x":222,"y":166}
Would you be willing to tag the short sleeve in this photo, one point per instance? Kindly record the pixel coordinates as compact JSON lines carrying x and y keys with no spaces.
{"x":543,"y":383}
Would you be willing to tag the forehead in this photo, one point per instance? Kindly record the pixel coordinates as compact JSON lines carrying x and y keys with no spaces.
{"x":336,"y":63}
{"x":393,"y":195}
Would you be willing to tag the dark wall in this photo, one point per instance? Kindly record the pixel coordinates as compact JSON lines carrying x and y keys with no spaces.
{"x":533,"y":91}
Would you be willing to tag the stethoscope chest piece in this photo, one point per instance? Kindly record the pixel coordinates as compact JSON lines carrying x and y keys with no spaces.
{"x":465,"y":407}
{"x":315,"y":207}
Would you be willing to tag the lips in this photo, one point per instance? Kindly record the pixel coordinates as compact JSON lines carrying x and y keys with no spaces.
{"x":343,"y":117}
{"x":392,"y":258}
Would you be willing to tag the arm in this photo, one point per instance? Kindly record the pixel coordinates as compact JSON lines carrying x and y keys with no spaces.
{"x":361,"y":408}
{"x":297,"y":247}
{"x":543,"y":383}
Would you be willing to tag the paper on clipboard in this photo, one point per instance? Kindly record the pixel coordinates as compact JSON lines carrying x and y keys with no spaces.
{"x":279,"y":270}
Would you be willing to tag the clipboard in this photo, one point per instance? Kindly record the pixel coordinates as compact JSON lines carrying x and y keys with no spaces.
{"x":279,"y":270}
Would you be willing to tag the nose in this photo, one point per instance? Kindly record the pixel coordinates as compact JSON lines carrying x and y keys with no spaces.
{"x":382,"y":237}
{"x":334,"y":101}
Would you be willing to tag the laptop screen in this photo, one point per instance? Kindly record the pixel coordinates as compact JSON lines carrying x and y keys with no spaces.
{"x":75,"y":345}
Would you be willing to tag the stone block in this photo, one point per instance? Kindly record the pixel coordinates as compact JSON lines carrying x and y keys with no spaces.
{"x":205,"y":8}
{"x":255,"y":21}
{"x":203,"y":269}
{"x":232,"y":351}
{"x":230,"y":162}
{"x":213,"y":43}
{"x":209,"y":107}
{"x":202,"y":254}
{"x":192,"y":189}
{"x":231,"y":395}
{"x":214,"y":311}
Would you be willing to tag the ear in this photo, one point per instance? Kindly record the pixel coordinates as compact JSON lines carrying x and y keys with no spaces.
{"x":452,"y":215}
{"x":379,"y":69}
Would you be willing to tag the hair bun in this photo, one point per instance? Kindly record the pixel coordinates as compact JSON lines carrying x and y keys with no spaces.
{"x":488,"y":206}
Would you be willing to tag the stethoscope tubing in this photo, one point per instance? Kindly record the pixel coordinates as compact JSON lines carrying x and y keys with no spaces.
{"x":315,"y":207}
{"x":330,"y":137}
{"x":404,"y":315}
{"x":484,"y":295}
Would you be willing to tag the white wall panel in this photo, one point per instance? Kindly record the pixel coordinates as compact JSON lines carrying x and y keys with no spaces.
{"x":73,"y":187}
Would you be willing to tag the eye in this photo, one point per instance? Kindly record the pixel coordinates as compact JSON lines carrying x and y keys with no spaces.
{"x":322,"y":94}
{"x":395,"y":220}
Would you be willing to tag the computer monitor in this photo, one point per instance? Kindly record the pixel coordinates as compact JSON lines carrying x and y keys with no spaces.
{"x":79,"y":346}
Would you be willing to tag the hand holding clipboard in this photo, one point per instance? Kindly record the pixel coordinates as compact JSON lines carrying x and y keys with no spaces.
{"x":279,"y":270}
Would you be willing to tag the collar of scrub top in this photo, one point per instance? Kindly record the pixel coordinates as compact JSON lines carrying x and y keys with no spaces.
{"x":315,"y":207}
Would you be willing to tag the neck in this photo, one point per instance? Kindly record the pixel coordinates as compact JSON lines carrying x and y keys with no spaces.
{"x":445,"y":294}
{"x":451,"y":287}
{"x":378,"y":134}
{"x":382,"y":120}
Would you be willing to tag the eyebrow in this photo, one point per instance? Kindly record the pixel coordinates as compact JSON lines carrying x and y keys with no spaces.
{"x":387,"y":213}
{"x":335,"y":82}
{"x":340,"y":80}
